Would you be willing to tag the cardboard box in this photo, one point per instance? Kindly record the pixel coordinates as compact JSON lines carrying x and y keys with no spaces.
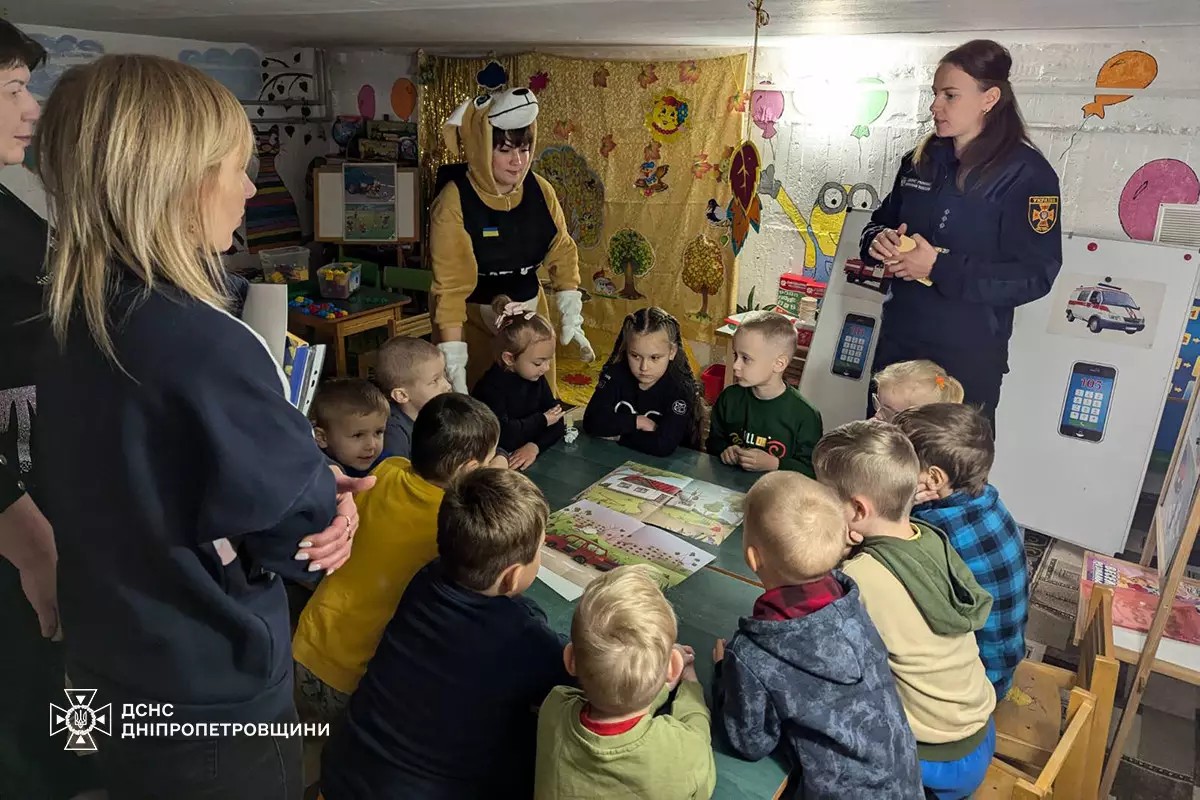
{"x":792,"y":287}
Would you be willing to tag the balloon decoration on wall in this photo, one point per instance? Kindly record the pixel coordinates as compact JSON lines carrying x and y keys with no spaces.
{"x":1165,"y":180}
{"x":1131,"y":69}
{"x":766,"y":107}
{"x":366,"y":101}
{"x":404,"y":98}
{"x":871,"y":101}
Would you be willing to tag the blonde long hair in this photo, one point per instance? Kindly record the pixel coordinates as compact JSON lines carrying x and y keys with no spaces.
{"x":922,"y":377}
{"x":127,"y":147}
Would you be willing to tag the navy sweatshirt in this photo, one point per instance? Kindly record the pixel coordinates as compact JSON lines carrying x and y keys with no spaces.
{"x":155,"y":468}
{"x":1003,"y":251}
{"x":447,"y":709}
{"x":821,"y":685}
{"x":520,"y":405}
{"x":618,"y":401}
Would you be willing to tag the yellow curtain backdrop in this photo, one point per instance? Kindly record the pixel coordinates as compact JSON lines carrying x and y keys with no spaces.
{"x":635,"y":151}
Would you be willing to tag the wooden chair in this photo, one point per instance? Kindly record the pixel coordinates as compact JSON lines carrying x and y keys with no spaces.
{"x":412,"y":280}
{"x":1065,"y":774}
{"x":1029,"y":720}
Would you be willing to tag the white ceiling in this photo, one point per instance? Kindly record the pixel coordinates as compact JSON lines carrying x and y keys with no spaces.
{"x":398,"y":23}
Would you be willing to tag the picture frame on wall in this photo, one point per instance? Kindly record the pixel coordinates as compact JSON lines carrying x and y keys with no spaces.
{"x":379,"y":150}
{"x":334,"y":207}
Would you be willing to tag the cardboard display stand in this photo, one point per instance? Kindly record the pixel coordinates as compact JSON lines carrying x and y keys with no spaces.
{"x":329,"y":206}
{"x":1089,"y":371}
{"x":1173,"y":536}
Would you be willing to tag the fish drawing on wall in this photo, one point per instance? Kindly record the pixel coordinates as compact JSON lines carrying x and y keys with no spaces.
{"x":822,"y":230}
{"x":62,"y":53}
{"x":1165,"y":180}
{"x":1131,"y":69}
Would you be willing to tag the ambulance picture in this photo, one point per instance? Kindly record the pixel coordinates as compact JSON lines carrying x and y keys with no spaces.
{"x":1105,"y":306}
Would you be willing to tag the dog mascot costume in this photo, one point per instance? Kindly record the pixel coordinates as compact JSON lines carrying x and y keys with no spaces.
{"x":484,"y":243}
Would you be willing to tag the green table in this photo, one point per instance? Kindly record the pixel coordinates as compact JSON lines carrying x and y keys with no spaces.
{"x":708,"y":603}
{"x":565,"y":470}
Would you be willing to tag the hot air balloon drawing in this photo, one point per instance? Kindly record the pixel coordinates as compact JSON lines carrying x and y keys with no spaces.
{"x":766,"y":107}
{"x":1131,"y":69}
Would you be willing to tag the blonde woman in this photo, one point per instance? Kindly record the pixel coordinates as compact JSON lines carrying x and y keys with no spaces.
{"x":184,"y":482}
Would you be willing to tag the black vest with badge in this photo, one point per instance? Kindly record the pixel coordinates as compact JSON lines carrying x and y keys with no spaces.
{"x":509,"y":246}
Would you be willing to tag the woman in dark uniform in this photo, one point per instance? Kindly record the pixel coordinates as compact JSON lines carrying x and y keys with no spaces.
{"x":982,"y":205}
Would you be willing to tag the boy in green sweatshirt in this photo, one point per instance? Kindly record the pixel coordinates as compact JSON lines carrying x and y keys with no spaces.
{"x":760,"y":423}
{"x":923,"y":599}
{"x":605,"y":741}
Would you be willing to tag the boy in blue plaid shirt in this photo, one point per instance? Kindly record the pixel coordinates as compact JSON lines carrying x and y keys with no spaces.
{"x":955,"y":447}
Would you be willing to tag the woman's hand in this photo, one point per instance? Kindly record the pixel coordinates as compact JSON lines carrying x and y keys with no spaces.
{"x":886,"y":244}
{"x":330,"y":548}
{"x":647,"y":424}
{"x":524,"y":456}
{"x":917,"y":263}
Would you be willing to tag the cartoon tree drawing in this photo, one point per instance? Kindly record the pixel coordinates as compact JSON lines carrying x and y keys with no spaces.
{"x":703,"y":270}
{"x":630,"y":254}
{"x":579,"y":190}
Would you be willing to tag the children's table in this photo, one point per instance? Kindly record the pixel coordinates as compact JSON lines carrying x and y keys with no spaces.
{"x":708,"y":603}
{"x":367,"y":308}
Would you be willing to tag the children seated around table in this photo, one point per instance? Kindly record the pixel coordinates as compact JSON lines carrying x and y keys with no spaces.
{"x":349,"y":417}
{"x":515,"y":387}
{"x":906,"y":384}
{"x":954,"y":445}
{"x":606,"y":739}
{"x":808,"y":667}
{"x":397,"y":535}
{"x":760,"y":423}
{"x":411,"y":372}
{"x":647,"y":397}
{"x":447,"y":707}
{"x":923,"y":600}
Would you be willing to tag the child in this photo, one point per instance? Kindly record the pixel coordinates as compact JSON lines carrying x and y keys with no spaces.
{"x":955,"y":447}
{"x":923,"y":600}
{"x":515,"y":387}
{"x":397,"y":535}
{"x":411,"y":372}
{"x":808,"y":666}
{"x":349,"y":416}
{"x":760,"y":423}
{"x":646,"y":398}
{"x":606,"y":740}
{"x":912,"y":383}
{"x":446,"y":708}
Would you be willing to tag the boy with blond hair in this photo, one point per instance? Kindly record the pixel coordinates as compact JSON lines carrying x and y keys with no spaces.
{"x":955,"y":447}
{"x":397,"y":535}
{"x":604,"y":740}
{"x":411,"y":372}
{"x":446,"y":708}
{"x":760,"y":423}
{"x":923,"y":599}
{"x":808,"y":667}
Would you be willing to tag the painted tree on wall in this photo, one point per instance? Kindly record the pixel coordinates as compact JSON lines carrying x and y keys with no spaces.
{"x":703,"y":271}
{"x":630,"y":254}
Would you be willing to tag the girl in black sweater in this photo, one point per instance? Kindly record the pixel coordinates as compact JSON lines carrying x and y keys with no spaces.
{"x":515,"y":387}
{"x":647,"y":397}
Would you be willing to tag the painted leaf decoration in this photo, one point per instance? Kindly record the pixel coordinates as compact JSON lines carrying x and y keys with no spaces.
{"x":296,"y":58}
{"x":303,"y":86}
{"x":743,"y":174}
{"x":290,"y":130}
{"x":307,"y":138}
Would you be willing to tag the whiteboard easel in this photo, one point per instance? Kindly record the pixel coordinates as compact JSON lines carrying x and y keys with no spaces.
{"x":329,"y":206}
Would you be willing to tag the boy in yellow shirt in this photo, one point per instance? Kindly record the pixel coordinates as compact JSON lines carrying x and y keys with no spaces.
{"x":397,"y":535}
{"x":606,"y":740}
{"x":922,"y":598}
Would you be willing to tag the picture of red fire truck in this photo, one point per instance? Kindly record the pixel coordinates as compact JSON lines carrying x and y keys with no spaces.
{"x":870,"y":277}
{"x":581,"y":551}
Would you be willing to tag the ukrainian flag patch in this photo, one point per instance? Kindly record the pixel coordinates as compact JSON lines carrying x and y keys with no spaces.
{"x":491,"y":233}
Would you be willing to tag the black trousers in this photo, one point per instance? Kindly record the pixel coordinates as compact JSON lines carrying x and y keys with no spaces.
{"x":224,"y":768}
{"x":979,"y":375}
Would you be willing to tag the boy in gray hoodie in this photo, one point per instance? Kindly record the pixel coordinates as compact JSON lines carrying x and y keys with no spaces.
{"x":808,"y":667}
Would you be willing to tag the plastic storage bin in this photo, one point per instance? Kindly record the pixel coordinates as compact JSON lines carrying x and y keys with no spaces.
{"x":284,"y":264}
{"x":339,"y":280}
{"x":713,"y":378}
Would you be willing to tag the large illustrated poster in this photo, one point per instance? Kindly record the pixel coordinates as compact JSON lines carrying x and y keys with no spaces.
{"x":1090,"y":366}
{"x":1136,"y":596}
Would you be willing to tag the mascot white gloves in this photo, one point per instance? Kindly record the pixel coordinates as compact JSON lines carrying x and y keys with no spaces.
{"x":570,"y":308}
{"x":456,"y":364}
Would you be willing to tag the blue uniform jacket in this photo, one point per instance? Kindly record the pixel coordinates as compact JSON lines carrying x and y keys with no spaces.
{"x":1003,"y":237}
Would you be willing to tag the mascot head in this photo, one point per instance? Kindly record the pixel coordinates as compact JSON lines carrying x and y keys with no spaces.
{"x":495,"y":133}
